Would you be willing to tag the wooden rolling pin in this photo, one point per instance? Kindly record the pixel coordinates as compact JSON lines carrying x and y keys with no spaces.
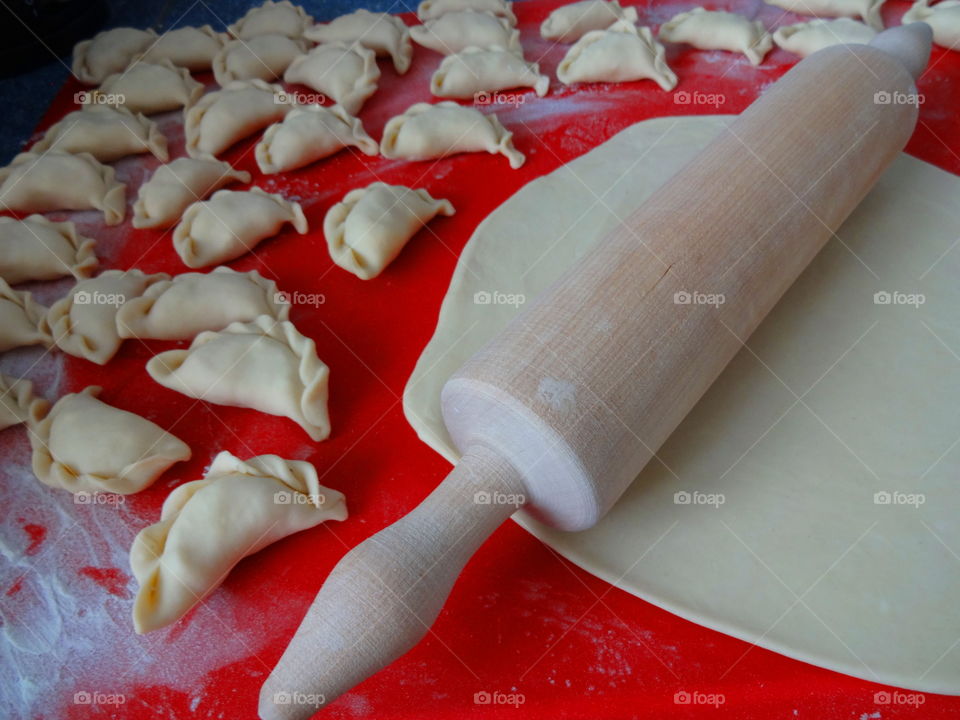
{"x":567,"y":404}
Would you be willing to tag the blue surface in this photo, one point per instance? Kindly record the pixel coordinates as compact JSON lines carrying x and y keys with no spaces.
{"x":27,"y":96}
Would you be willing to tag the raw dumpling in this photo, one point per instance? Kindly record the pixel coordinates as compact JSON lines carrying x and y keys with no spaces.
{"x":150,"y":88}
{"x":264,"y":365}
{"x":430,"y":9}
{"x":456,"y":31}
{"x":85,"y":445}
{"x":869,"y":10}
{"x":381,"y":32}
{"x":224,"y":117}
{"x":232,"y":223}
{"x":569,"y":23}
{"x":22,"y":320}
{"x":207,"y":526}
{"x":262,"y":57}
{"x":187,"y":47}
{"x":18,"y":403}
{"x":109,"y":52}
{"x":482,"y":70}
{"x":272,"y":18}
{"x":107,"y":133}
{"x":191,"y":303}
{"x":807,"y":37}
{"x":369,"y":228}
{"x":62,"y":181}
{"x":162,"y":200}
{"x":84,"y":322}
{"x":427,"y":131}
{"x":37,"y":249}
{"x":718,"y":30}
{"x":944,"y":18}
{"x":347,"y":74}
{"x":308,"y":134}
{"x":621,"y":53}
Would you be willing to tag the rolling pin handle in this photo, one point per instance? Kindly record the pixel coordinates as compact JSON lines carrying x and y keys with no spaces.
{"x":383,"y":596}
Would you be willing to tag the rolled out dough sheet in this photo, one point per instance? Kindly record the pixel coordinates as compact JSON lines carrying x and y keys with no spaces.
{"x":821,"y":471}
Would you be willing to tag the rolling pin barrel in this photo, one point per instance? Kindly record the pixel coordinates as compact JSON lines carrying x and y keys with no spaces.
{"x":579,"y":391}
{"x":566,"y":405}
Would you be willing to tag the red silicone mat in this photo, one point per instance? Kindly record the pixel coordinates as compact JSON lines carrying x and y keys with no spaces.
{"x":552,"y":640}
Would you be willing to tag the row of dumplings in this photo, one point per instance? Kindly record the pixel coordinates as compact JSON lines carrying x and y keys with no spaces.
{"x":85,"y":445}
{"x":478,"y":36}
{"x":244,"y":352}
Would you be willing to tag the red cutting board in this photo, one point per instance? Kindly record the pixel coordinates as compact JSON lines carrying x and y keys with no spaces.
{"x":521,"y":621}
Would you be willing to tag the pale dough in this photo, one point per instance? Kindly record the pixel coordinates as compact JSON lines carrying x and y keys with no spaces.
{"x":151,"y":88}
{"x":878,"y":582}
{"x":192,"y":48}
{"x":207,"y":526}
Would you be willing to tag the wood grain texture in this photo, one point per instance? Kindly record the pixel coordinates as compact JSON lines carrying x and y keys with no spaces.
{"x":568,"y":404}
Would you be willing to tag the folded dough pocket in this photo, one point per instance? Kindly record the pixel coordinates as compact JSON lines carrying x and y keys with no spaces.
{"x":478,"y":70}
{"x":224,"y":117}
{"x":383,"y":33}
{"x":264,"y":365}
{"x":107,"y":133}
{"x":231,"y":223}
{"x":454,"y":32}
{"x":263,"y":57}
{"x":308,"y":134}
{"x":18,"y":403}
{"x":718,"y":30}
{"x":621,"y":53}
{"x":152,"y":87}
{"x":162,"y":200}
{"x":109,"y":52}
{"x":271,"y":18}
{"x":191,"y":303}
{"x":346,"y":73}
{"x":192,"y":48}
{"x":425,"y":132}
{"x":569,"y":23}
{"x":56,"y":180}
{"x":23,"y":321}
{"x":37,"y":249}
{"x":369,"y":228}
{"x":807,"y":38}
{"x":84,"y":323}
{"x":85,"y":445}
{"x":207,"y":526}
{"x":431,"y":9}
